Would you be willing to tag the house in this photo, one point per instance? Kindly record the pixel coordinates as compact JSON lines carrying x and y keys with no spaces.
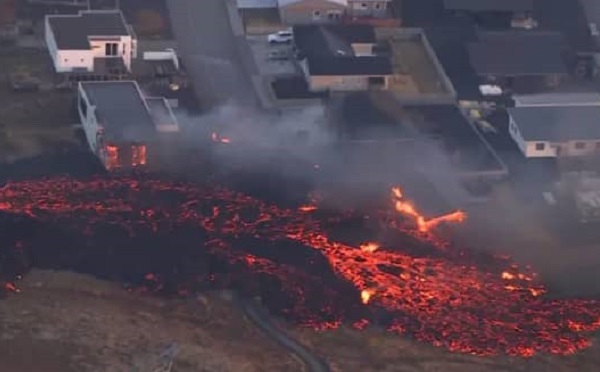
{"x":557,"y":130}
{"x":342,"y":58}
{"x":297,"y":12}
{"x":521,"y":60}
{"x":91,"y":43}
{"x":120,"y":124}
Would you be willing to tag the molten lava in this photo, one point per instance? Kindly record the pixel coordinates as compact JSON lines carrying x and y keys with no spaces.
{"x":446,"y":297}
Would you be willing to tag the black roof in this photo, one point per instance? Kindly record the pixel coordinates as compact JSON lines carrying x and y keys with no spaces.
{"x":514,"y":53}
{"x":121,"y":110}
{"x":328,"y":50}
{"x":376,"y":65}
{"x":568,"y":17}
{"x":490,"y":5}
{"x":71,"y":32}
{"x":349,"y":33}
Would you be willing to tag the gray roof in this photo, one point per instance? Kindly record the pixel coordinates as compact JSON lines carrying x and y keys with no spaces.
{"x":121,"y":110}
{"x":160,"y":111}
{"x":514,"y":53}
{"x":490,"y":5}
{"x":256,"y":4}
{"x":557,"y":123}
{"x":71,"y":32}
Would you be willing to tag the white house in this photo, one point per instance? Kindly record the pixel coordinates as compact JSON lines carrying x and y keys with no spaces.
{"x":120,"y":124}
{"x":96,"y":41}
{"x":556,"y":131}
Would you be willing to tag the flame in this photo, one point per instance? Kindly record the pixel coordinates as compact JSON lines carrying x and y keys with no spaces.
{"x":369,"y":247}
{"x":365,"y":295}
{"x":138,"y":155}
{"x":424,"y":225}
{"x":307,"y":208}
{"x":112,"y":157}
{"x":215,"y":137}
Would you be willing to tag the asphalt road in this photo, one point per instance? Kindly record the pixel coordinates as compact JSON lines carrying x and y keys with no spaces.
{"x":263,"y":321}
{"x":211,"y":52}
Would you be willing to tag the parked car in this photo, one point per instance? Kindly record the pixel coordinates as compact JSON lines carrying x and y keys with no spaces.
{"x":279,"y":55}
{"x":281,"y":37}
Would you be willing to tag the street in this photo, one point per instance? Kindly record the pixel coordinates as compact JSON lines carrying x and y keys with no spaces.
{"x":210,"y":52}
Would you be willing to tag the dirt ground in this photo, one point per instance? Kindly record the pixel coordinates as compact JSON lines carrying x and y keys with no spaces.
{"x":379,"y":351}
{"x":31,"y":122}
{"x":69,"y":322}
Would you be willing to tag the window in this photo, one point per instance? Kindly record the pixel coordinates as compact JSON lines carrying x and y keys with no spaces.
{"x":377,"y":6}
{"x":66,"y":60}
{"x":111,"y":49}
{"x":580,"y":145}
{"x":363,"y":5}
{"x":316,"y":14}
{"x":540,"y":146}
{"x":597,"y":145}
{"x":376,"y":81}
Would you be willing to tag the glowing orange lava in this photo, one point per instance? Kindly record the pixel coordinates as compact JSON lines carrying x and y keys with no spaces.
{"x":446,"y":297}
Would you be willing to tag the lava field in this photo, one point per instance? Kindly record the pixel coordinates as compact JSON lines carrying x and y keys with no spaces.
{"x":314,"y":267}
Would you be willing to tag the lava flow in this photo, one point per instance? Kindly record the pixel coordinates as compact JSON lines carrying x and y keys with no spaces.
{"x":437,"y":296}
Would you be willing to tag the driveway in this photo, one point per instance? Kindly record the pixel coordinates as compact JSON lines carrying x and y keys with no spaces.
{"x":210,"y":51}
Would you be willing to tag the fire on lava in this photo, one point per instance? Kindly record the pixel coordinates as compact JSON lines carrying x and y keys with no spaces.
{"x":210,"y":236}
{"x":424,"y":225}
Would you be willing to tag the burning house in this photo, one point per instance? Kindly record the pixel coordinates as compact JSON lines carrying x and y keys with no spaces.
{"x":120,"y":124}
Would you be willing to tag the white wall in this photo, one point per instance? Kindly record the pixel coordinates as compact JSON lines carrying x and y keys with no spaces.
{"x":549,"y":150}
{"x":50,"y":42}
{"x":89,"y":121}
{"x":124,"y":48}
{"x":67,"y":60}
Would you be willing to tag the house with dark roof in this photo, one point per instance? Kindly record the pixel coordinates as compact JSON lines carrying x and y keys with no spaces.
{"x":556,"y":130}
{"x":120,"y":124}
{"x":342,"y":58}
{"x":518,"y":60}
{"x":98,"y":42}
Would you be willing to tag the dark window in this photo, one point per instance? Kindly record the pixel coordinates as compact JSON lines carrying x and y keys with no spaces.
{"x":82,"y":106}
{"x":110,"y":49}
{"x":540,"y":146}
{"x":580,"y":145}
{"x":377,"y":81}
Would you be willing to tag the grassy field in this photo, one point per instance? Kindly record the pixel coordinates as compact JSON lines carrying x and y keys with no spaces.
{"x":73,"y":322}
{"x":31,"y":122}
